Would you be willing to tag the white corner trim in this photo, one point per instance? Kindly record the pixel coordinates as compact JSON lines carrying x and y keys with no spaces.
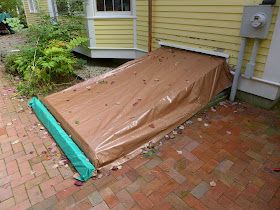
{"x":208,"y":52}
{"x":271,"y":70}
{"x":277,"y":84}
{"x":90,"y":23}
{"x":260,"y":87}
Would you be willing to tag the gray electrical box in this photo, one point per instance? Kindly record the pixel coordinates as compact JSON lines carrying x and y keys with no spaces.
{"x":256,"y":21}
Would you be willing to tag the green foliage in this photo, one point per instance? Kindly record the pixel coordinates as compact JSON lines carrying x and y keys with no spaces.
{"x":14,"y":23}
{"x":47,"y":59}
{"x":14,"y":8}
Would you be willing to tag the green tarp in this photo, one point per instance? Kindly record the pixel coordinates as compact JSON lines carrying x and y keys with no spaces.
{"x":3,"y":16}
{"x":71,"y":150}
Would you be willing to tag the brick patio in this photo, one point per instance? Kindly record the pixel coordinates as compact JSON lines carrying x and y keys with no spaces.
{"x":235,"y":146}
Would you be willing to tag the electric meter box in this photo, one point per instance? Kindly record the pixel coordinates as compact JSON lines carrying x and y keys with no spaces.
{"x":256,"y":21}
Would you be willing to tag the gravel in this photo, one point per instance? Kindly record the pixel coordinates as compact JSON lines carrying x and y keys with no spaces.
{"x":10,"y":42}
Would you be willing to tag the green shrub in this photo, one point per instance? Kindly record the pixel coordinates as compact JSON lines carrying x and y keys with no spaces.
{"x":14,"y":23}
{"x":47,"y":59}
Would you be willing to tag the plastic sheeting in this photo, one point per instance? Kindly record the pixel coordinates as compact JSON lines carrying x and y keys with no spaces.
{"x":112,"y":115}
{"x":74,"y":154}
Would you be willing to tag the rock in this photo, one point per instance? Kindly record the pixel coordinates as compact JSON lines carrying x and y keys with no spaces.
{"x":229,"y":132}
{"x":166,"y":137}
{"x":199,"y":119}
{"x":181,"y":127}
{"x":206,"y":124}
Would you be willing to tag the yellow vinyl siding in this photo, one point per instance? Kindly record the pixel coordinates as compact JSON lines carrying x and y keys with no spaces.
{"x":212,"y":25}
{"x":32,"y":18}
{"x":114,"y":33}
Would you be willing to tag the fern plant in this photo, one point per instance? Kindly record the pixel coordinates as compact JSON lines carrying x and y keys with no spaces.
{"x":47,"y":59}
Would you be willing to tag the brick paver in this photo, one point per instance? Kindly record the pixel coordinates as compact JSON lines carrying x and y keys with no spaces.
{"x":237,"y":152}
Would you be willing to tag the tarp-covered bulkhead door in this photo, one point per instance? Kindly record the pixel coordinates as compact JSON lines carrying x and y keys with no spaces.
{"x":112,"y":115}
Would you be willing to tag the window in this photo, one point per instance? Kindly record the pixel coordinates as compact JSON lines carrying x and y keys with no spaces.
{"x":116,"y":6}
{"x":70,"y":7}
{"x":33,"y":6}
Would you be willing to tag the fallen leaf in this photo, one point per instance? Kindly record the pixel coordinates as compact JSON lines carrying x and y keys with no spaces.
{"x":94,"y":173}
{"x":213,"y":184}
{"x":179,"y":152}
{"x":15,"y":142}
{"x":78,"y":183}
{"x":181,"y":127}
{"x":152,"y":125}
{"x":61,"y":162}
{"x":213,"y":109}
{"x":55,"y":166}
{"x":102,"y":82}
{"x":76,"y":176}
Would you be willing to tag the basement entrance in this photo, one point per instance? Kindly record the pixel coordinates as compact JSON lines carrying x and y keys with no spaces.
{"x":112,"y":115}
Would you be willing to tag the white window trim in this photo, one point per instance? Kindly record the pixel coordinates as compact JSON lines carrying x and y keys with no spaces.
{"x":113,"y":14}
{"x":33,"y":6}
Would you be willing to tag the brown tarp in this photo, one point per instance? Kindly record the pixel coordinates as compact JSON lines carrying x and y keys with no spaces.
{"x":114,"y":114}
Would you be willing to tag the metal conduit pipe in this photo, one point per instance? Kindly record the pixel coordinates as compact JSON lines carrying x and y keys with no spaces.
{"x":249,"y":73}
{"x":238,"y":68}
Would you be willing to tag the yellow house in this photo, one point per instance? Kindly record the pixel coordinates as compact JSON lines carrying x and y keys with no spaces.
{"x":124,"y":29}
